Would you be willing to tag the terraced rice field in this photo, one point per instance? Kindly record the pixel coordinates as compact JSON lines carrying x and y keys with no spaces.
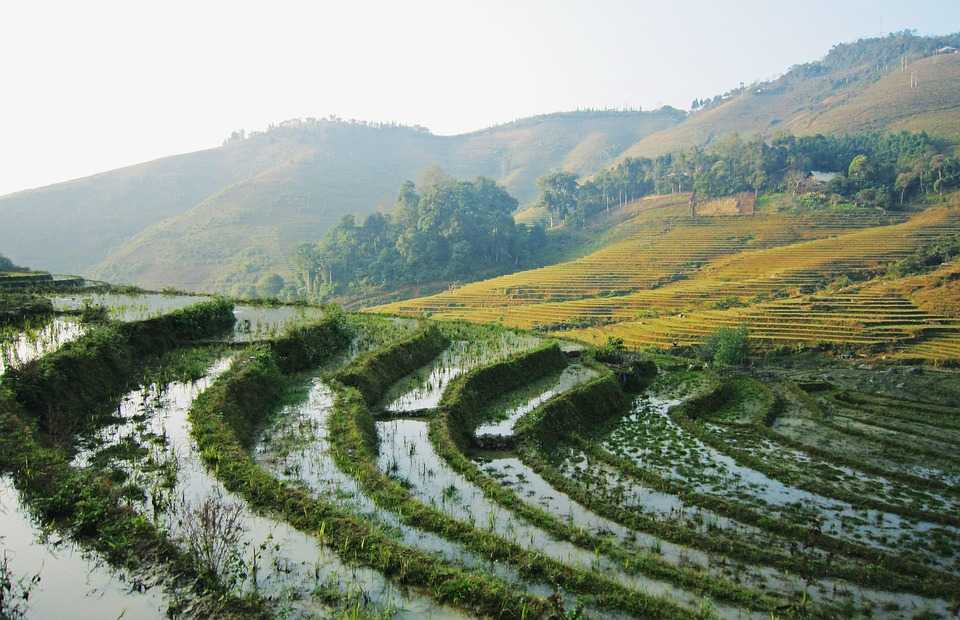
{"x":20,"y":345}
{"x":662,"y":245}
{"x":371,"y":467}
{"x":254,"y":322}
{"x":677,"y":280}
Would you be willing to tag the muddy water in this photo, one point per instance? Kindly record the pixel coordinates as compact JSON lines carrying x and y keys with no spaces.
{"x":571,"y":376}
{"x":422,"y":389}
{"x":270,"y":557}
{"x":74,"y":583}
{"x":30,"y":344}
{"x":718,"y":474}
{"x":407,"y":455}
{"x":296,"y":448}
{"x":254,"y":322}
{"x":126,"y":307}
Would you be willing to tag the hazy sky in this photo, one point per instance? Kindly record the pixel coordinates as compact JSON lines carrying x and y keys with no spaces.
{"x":88,"y":86}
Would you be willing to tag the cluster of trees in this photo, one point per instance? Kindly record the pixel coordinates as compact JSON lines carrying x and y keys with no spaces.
{"x":445,"y":230}
{"x":703,"y":104}
{"x":927,"y":258}
{"x":312,"y":123}
{"x":7,"y":265}
{"x":874,"y":169}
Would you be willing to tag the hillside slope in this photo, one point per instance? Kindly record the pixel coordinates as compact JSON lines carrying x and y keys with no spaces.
{"x":674,"y":280}
{"x":857,"y":87}
{"x":71,"y":226}
{"x":154,"y":224}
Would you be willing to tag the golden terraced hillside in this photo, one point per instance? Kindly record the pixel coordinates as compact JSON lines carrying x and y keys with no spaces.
{"x":672,"y":280}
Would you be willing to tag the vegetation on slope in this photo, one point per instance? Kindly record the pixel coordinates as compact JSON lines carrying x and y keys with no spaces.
{"x":220,"y":219}
{"x":870,"y":169}
{"x":444,"y":231}
{"x":803,"y":99}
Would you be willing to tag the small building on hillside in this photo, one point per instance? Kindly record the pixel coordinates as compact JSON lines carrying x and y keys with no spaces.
{"x":820,"y":176}
{"x":947,"y":49}
{"x":813,"y":181}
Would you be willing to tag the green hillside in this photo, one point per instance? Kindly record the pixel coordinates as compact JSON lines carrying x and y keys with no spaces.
{"x":207,"y":219}
{"x":221,"y":219}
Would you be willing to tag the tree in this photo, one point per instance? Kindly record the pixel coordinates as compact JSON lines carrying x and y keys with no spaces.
{"x":903,"y":183}
{"x":861,"y":169}
{"x":443,"y":231}
{"x":432,"y":176}
{"x":558,"y":193}
{"x":7,"y":265}
{"x":728,"y":346}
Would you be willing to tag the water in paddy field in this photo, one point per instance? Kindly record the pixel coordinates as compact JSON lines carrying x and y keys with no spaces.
{"x":29,"y":344}
{"x":269,"y":556}
{"x":571,"y":376}
{"x":296,"y":448}
{"x":73,"y":583}
{"x":254,"y":322}
{"x":650,"y":438}
{"x":423,"y":389}
{"x":127,"y":307}
{"x":264,"y":322}
{"x":405,"y":453}
{"x":533,"y":489}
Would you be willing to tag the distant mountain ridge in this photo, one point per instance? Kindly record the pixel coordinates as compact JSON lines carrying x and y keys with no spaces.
{"x":897,"y":82}
{"x":218,"y":219}
{"x":207,"y":220}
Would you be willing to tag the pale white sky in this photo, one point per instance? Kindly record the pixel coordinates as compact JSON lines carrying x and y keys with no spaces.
{"x":94,"y":85}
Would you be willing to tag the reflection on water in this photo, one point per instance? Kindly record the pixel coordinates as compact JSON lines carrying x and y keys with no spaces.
{"x":73,"y":583}
{"x":406,"y":454}
{"x":263,"y":322}
{"x":32,"y":343}
{"x":424,"y":388}
{"x":126,"y":307}
{"x":572,"y":375}
{"x":275,"y":560}
{"x":254,"y":322}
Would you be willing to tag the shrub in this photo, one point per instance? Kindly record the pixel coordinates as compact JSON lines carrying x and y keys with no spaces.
{"x":212,"y":531}
{"x":728,"y":346}
{"x":612,"y":350}
{"x":727,"y":302}
{"x":926,"y":258}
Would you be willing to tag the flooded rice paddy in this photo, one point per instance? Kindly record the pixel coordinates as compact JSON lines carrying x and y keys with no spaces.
{"x":643,"y":487}
{"x":60,"y":578}
{"x":422,"y":390}
{"x":651,"y":439}
{"x":505,"y":416}
{"x":23,"y":345}
{"x":266,"y":555}
{"x":254,"y":322}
